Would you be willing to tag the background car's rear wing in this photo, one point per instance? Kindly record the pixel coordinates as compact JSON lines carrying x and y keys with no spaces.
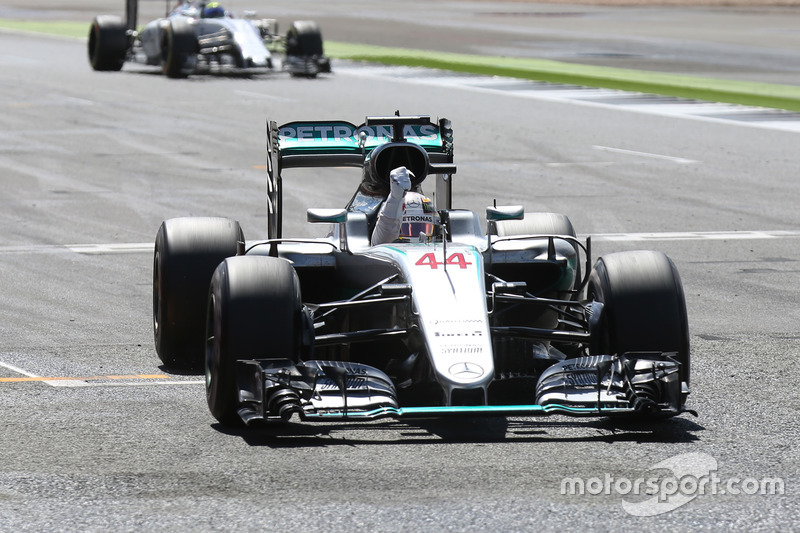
{"x":343,"y":144}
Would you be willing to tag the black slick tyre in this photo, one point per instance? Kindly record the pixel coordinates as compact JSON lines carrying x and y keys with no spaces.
{"x":539,"y":224}
{"x":644,"y":307}
{"x":304,"y":42}
{"x":536,"y":223}
{"x":178,"y":44}
{"x":187,"y":250}
{"x":253,"y":312}
{"x":108,"y":43}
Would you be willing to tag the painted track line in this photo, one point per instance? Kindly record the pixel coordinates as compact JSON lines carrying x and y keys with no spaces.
{"x":695,"y":236}
{"x":668,"y":106}
{"x":674,"y":159}
{"x":139,"y":247}
{"x":129,"y":380}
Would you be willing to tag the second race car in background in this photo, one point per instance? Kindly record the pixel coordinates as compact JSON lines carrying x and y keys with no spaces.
{"x":198,"y":37}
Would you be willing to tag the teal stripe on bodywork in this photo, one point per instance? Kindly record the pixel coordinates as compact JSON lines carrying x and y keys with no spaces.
{"x":476,"y":410}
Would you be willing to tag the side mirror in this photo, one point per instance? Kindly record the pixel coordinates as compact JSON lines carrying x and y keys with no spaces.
{"x":506,"y":212}
{"x":330,"y":216}
{"x":326,"y":216}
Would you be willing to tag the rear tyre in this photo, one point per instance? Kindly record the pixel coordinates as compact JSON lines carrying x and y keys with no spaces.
{"x":178,"y":45}
{"x":108,"y":43}
{"x":536,"y":223}
{"x":254,"y":311}
{"x":187,"y":251}
{"x":541,"y":224}
{"x":644,"y":307}
{"x":304,"y":41}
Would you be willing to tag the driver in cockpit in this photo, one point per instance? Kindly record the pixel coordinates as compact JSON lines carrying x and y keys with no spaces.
{"x":406,"y":214}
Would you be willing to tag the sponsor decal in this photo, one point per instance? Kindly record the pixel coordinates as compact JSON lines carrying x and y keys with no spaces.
{"x":343,"y":131}
{"x":454,"y":259}
{"x":466,"y":370}
{"x":426,"y":219}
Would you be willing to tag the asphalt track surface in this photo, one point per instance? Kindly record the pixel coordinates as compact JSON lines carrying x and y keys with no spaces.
{"x":97,"y":437}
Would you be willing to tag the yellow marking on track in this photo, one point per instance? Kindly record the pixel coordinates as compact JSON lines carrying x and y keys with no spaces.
{"x":89,"y":378}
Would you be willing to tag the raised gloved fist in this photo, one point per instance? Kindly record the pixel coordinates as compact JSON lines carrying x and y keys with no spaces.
{"x":399,"y":182}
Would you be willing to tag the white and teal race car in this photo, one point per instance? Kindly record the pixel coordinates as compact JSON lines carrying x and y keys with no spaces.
{"x":511,"y":320}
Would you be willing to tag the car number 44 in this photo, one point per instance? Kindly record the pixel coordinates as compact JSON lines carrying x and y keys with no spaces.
{"x":455,"y":259}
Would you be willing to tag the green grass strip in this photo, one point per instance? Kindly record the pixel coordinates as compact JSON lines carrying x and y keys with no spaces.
{"x":64,"y":29}
{"x":709,"y":89}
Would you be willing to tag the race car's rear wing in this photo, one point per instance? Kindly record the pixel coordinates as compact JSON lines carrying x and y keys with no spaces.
{"x":328,"y":144}
{"x":343,"y":144}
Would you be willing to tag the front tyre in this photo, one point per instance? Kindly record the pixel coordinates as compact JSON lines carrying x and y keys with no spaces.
{"x":187,"y":251}
{"x":178,"y":49}
{"x":108,"y":43}
{"x":644,"y":307}
{"x":254,"y":311}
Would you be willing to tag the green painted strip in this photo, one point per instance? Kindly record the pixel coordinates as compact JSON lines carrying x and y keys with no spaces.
{"x":709,"y":89}
{"x":715,"y":90}
{"x":64,"y":29}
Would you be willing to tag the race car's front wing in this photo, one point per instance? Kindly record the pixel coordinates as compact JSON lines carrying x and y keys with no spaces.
{"x":603,"y":385}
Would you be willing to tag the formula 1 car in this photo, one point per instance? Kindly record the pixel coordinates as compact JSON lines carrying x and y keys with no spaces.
{"x":511,"y":321}
{"x":198,"y":36}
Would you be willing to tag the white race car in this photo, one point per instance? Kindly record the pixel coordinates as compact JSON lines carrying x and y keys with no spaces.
{"x":199,"y":37}
{"x":514,"y":320}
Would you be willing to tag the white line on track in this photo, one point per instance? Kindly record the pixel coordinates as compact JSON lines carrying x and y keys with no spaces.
{"x":146,"y":247}
{"x":696,"y":236}
{"x":52,"y":383}
{"x":680,"y":160}
{"x":264,"y":96}
{"x":721,"y":113}
{"x":18,"y":370}
{"x":114,"y":248}
{"x":98,"y":381}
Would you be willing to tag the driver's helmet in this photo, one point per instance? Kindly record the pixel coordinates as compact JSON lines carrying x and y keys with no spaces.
{"x":213,"y":10}
{"x":419,"y":217}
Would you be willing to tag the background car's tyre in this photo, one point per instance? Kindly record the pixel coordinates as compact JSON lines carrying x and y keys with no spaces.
{"x":108,"y":43}
{"x":644,"y":308}
{"x":178,"y":45}
{"x":304,"y":40}
{"x":186,"y":253}
{"x":254,"y":311}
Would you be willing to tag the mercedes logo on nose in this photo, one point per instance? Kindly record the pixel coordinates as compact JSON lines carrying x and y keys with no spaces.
{"x":466,"y":370}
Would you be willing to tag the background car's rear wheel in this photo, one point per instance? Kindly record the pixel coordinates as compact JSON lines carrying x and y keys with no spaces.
{"x":108,"y":43}
{"x":304,"y":40}
{"x":644,"y":308}
{"x":186,"y":253}
{"x":254,"y":311}
{"x":178,"y":44}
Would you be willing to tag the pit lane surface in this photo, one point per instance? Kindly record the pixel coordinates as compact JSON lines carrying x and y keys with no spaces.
{"x":97,"y":437}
